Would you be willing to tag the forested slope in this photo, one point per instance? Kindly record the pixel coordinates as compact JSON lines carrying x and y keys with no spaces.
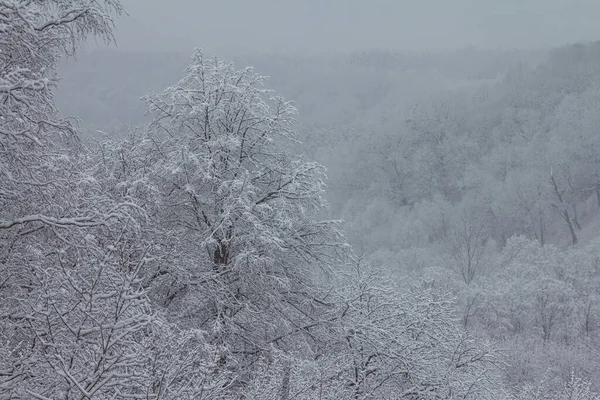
{"x":492,"y":192}
{"x":195,"y":256}
{"x":192,"y":258}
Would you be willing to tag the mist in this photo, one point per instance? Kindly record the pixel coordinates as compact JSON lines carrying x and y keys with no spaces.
{"x":235,"y":27}
{"x":300,"y":199}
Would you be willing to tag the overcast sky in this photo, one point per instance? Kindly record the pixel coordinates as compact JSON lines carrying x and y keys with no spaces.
{"x":313,"y":26}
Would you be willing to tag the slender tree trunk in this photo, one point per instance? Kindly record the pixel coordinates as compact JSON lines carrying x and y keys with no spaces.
{"x":567,"y":218}
{"x":564,"y":211}
{"x":284,"y":392}
{"x":575,"y":218}
{"x":542,"y":228}
{"x":588,"y":318}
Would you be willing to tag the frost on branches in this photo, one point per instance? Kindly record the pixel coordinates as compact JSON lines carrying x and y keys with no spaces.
{"x":33,"y":36}
{"x":193,"y":260}
{"x":386,"y":345}
{"x":247,"y":216}
{"x":75,"y":317}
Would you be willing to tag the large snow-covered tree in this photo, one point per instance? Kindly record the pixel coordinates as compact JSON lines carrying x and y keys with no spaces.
{"x":252,"y":247}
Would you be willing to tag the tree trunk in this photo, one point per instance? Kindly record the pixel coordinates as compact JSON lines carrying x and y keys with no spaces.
{"x":564,"y":211}
{"x":575,"y":218}
{"x":220,"y":256}
{"x":567,"y":218}
{"x":542,"y":241}
{"x":284,"y":392}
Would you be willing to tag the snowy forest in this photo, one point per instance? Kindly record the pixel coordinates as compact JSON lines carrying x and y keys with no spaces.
{"x":360,"y":225}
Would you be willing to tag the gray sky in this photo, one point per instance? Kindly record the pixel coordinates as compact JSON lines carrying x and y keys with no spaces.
{"x":312,"y":26}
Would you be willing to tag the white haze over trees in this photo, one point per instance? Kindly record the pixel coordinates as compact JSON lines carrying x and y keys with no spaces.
{"x":425,"y":227}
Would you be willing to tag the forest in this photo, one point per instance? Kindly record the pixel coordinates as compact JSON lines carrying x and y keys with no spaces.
{"x":362,"y":225}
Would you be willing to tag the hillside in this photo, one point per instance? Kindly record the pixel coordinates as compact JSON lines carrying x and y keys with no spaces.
{"x":478,"y":172}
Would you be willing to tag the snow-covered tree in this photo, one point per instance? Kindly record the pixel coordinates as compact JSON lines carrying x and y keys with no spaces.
{"x":465,"y":244}
{"x":44,"y":199}
{"x":35,"y":35}
{"x":251,"y":246}
{"x":410,"y":345}
{"x":76,"y":320}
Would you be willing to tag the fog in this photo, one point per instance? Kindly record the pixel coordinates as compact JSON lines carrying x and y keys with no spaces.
{"x":231,"y":27}
{"x":300,"y":199}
